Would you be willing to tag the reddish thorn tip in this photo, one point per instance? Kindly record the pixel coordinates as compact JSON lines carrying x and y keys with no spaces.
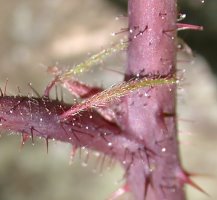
{"x":119,"y":192}
{"x":184,"y":178}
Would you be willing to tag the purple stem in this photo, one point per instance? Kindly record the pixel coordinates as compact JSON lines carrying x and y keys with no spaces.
{"x":150,"y":114}
{"x":41,"y":117}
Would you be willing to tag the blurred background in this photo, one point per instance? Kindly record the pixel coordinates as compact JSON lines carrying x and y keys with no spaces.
{"x":38,"y":34}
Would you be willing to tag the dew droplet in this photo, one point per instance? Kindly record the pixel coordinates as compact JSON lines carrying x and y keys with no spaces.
{"x":181,"y":17}
{"x":124,"y":162}
{"x":83,"y":148}
{"x":179,"y":46}
{"x":146,"y":94}
{"x":163,"y":149}
{"x":109,"y":144}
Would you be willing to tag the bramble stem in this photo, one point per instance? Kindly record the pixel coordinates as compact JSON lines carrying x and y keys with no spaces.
{"x":151,"y":118}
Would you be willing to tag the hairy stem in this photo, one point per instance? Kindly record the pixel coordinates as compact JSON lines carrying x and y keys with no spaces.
{"x":139,"y":129}
{"x":149,"y":114}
